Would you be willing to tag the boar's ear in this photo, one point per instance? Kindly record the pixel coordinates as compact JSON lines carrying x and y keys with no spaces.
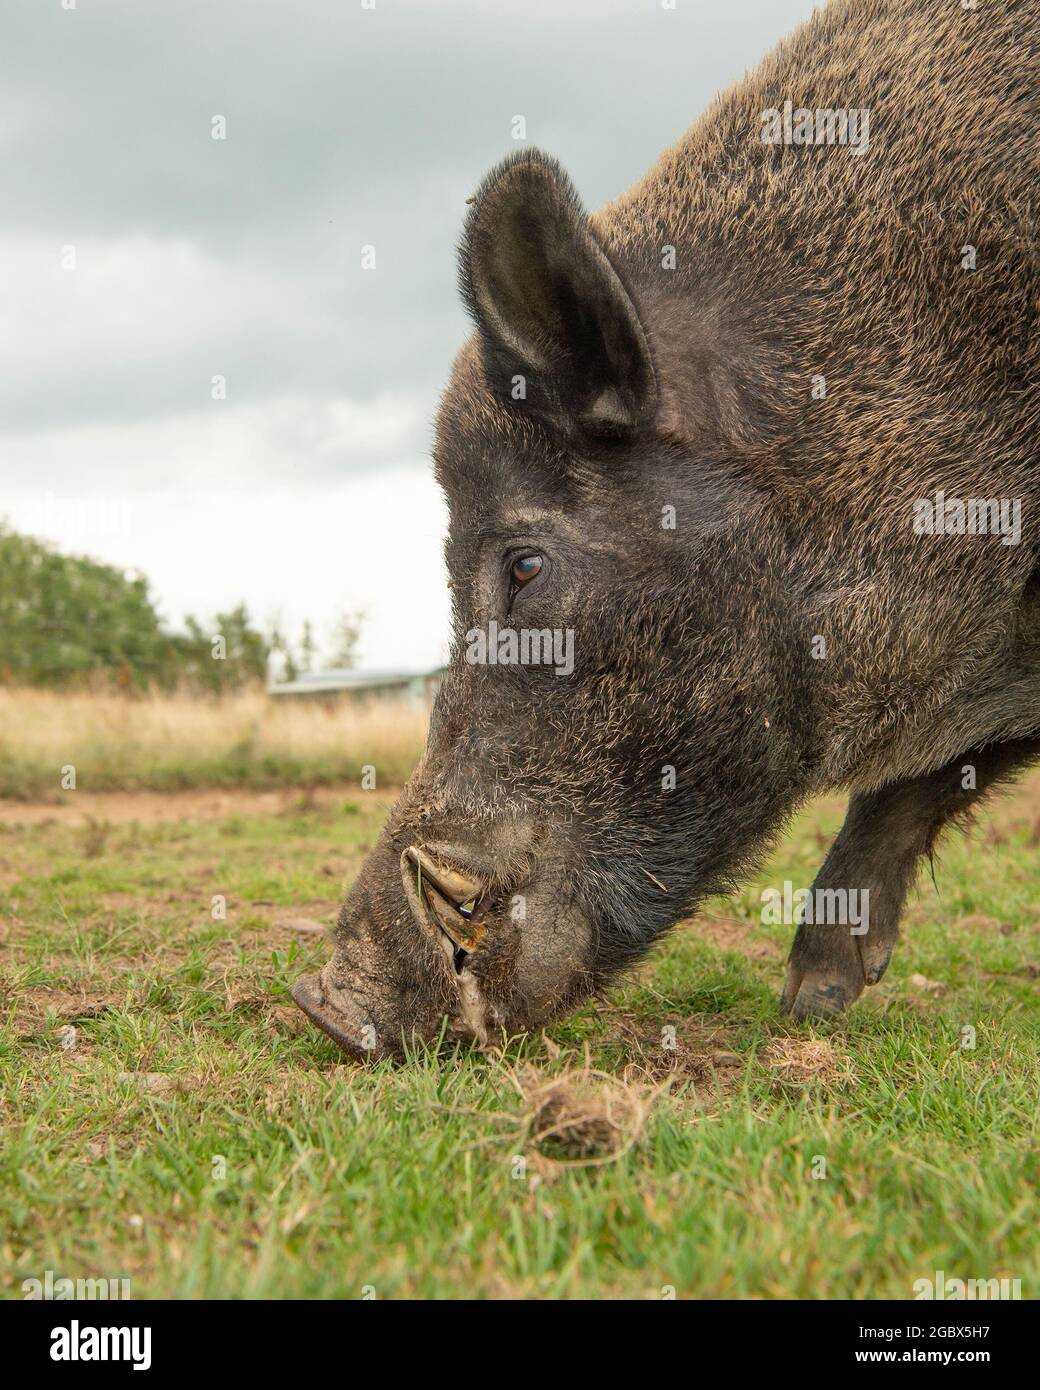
{"x":550,"y":307}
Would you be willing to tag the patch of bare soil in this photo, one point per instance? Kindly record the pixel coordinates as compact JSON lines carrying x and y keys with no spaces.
{"x":730,"y":934}
{"x":1012,"y":811}
{"x":310,"y":921}
{"x":935,"y":988}
{"x":68,"y":1008}
{"x":978,"y":922}
{"x":96,"y":809}
{"x":683,"y":1051}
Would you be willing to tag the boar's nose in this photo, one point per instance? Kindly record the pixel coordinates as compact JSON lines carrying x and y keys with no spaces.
{"x":336,"y":1013}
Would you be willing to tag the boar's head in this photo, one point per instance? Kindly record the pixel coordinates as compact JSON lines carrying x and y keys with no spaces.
{"x":619,"y":724}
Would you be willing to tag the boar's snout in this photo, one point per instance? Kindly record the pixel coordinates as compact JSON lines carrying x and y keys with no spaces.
{"x":336,"y":1013}
{"x":479,"y":937}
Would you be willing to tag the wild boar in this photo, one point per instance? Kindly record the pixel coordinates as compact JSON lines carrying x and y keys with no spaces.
{"x":748,"y":460}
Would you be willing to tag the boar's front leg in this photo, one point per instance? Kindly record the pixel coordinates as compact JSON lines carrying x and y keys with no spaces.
{"x":878,"y":850}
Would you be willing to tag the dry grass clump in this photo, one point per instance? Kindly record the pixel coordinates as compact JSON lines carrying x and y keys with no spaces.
{"x":581,"y":1116}
{"x":802,"y":1061}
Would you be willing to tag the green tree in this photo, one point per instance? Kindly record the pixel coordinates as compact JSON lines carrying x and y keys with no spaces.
{"x":307,"y":648}
{"x":226,"y":655}
{"x":346,"y":630}
{"x":68,"y":620}
{"x":64,"y":619}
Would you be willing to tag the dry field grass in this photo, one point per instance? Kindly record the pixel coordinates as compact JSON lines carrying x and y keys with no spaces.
{"x":174,"y":742}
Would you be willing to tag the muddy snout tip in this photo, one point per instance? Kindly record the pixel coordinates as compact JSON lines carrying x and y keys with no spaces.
{"x":350,"y":1033}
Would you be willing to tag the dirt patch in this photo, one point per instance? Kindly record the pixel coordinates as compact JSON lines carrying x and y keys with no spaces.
{"x":156,"y":1083}
{"x":101,"y":809}
{"x":301,"y":926}
{"x":683,"y":1051}
{"x":1013,"y":811}
{"x":935,"y":988}
{"x":308,"y":921}
{"x":68,"y":1008}
{"x":730,"y":934}
{"x":978,"y":922}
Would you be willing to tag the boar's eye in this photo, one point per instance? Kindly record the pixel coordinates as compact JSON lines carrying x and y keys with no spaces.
{"x":525,"y":569}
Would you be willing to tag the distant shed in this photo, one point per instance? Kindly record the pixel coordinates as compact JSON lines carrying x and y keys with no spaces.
{"x":342,"y":684}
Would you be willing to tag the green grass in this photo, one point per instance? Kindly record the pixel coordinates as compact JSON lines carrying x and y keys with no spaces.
{"x":404,"y":1180}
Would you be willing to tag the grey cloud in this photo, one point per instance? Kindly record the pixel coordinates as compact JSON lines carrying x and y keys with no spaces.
{"x":345,"y":126}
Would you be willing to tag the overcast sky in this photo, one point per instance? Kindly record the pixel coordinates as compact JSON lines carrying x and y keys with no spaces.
{"x":307,"y":490}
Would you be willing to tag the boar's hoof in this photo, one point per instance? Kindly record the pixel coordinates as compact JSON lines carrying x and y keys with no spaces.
{"x":875,"y":963}
{"x":818,"y":999}
{"x":824,"y":974}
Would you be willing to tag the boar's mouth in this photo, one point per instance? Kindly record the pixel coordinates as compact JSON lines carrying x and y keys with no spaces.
{"x":450,"y":906}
